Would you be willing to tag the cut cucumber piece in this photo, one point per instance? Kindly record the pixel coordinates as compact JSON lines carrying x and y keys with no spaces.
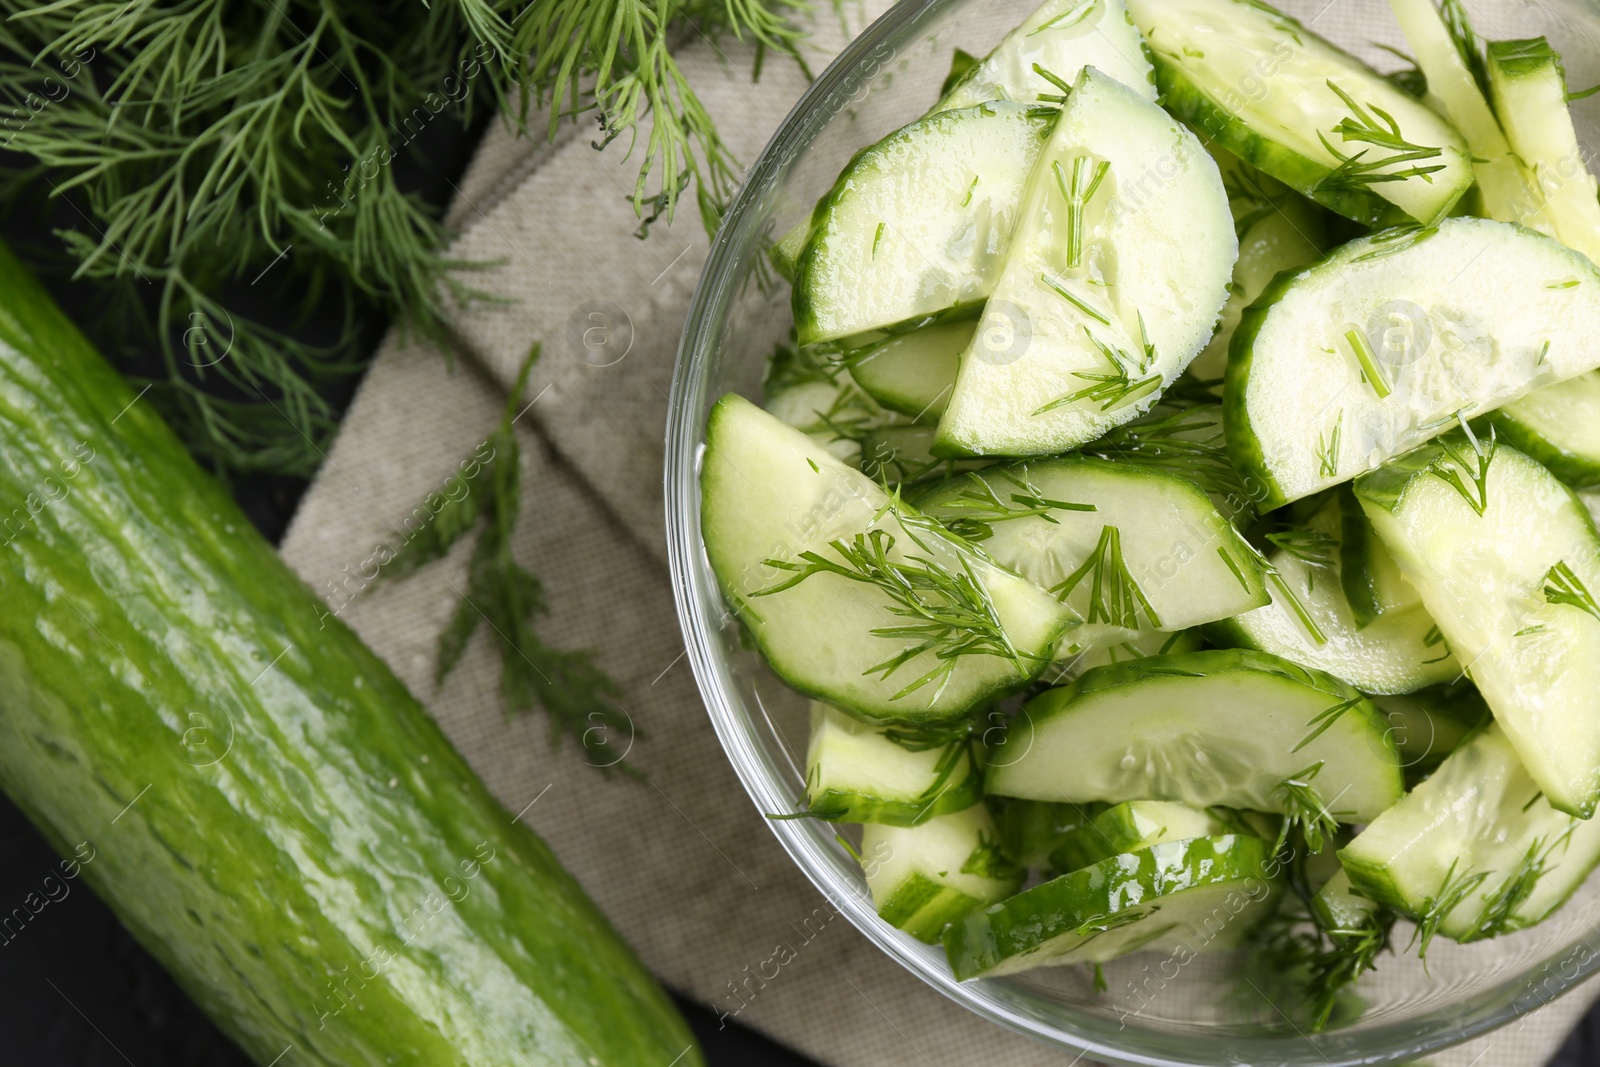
{"x":1061,"y":37}
{"x":1530,"y":96}
{"x":925,"y":877}
{"x":1431,"y":723}
{"x":1474,"y":850}
{"x":1311,"y":622}
{"x":856,"y":773}
{"x":1224,"y":728}
{"x":1284,"y":100}
{"x":1505,"y":558}
{"x":1394,"y":338}
{"x":914,"y":372}
{"x":1135,"y":825}
{"x":1183,"y":896}
{"x":1337,"y":906}
{"x":1076,"y":657}
{"x":1121,"y":263}
{"x":785,"y":253}
{"x":1286,"y":233}
{"x":902,"y":455}
{"x":776,"y":511}
{"x":917,"y":223}
{"x":1559,"y":426}
{"x":1371,"y":579}
{"x":1502,"y":182}
{"x":1032,"y":829}
{"x":1127,"y":547}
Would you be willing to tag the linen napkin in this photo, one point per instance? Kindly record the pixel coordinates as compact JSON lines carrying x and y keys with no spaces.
{"x":681,"y":862}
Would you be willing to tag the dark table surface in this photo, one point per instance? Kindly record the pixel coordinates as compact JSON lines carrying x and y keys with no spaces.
{"x":76,"y":990}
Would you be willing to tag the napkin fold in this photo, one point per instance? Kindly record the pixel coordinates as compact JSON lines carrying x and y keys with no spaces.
{"x":681,"y":862}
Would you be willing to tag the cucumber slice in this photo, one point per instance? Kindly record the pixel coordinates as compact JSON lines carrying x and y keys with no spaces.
{"x":774,"y":503}
{"x":1225,"y":728}
{"x":1475,"y":850}
{"x":1505,"y":558}
{"x":1060,"y":37}
{"x":1183,"y":896}
{"x":1337,"y":906}
{"x":902,"y":455}
{"x":914,"y":372}
{"x":1286,"y":101}
{"x":1133,"y":826}
{"x":1121,"y":263}
{"x":916,"y":223}
{"x":1286,"y":233}
{"x":1559,"y":426}
{"x":1431,"y":723}
{"x":1502,"y":182}
{"x":856,"y":773}
{"x":1371,"y":579}
{"x":1314,"y":626}
{"x":1076,"y":658}
{"x":925,"y":877}
{"x":1127,"y":547}
{"x":1448,"y":323}
{"x":785,"y":253}
{"x":1530,"y":96}
{"x":1032,"y":829}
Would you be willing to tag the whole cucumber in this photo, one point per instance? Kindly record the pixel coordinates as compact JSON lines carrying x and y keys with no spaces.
{"x":254,"y":793}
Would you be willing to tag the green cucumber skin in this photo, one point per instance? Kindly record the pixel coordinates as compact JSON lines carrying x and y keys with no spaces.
{"x":842,"y":806}
{"x":1354,"y":578}
{"x":1244,"y":447}
{"x":1215,"y":124}
{"x":1579,"y":472}
{"x":338,"y":883}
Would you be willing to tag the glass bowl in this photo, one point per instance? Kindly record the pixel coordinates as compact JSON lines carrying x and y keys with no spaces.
{"x":1206,"y":1011}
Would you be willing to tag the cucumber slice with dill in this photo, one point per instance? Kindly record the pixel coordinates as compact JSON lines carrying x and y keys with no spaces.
{"x":916,"y":224}
{"x":1529,"y":90}
{"x":1270,"y":91}
{"x":1129,"y":548}
{"x":1076,"y":657}
{"x":1112,"y":282}
{"x":1231,"y":728}
{"x":1508,"y":563}
{"x":1038,"y":60}
{"x":1396,"y":338}
{"x":853,"y":596}
{"x":1181,"y":896}
{"x":856,"y":772}
{"x":927,"y":876}
{"x":1135,"y":825}
{"x":1559,"y":426}
{"x":913,"y":373}
{"x":1311,"y":621}
{"x":1475,"y":850}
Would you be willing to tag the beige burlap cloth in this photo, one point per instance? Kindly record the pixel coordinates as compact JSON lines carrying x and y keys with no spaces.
{"x":682,"y":863}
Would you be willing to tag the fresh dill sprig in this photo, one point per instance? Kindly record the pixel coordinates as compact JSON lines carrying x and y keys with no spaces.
{"x":1351,"y":953}
{"x":210,"y":151}
{"x":1114,"y":594}
{"x":579,"y":697}
{"x":1499,"y":914}
{"x":1563,"y":586}
{"x":979,"y":506}
{"x":1468,"y":45}
{"x":1077,"y":195}
{"x":1304,"y":809}
{"x":1376,"y":127}
{"x":1394,"y":240}
{"x":1124,"y":383}
{"x":1067,"y":19}
{"x":1286,"y":591}
{"x":1328,"y":448}
{"x":1188,"y":442}
{"x":1473,"y":464}
{"x":950,"y":612}
{"x":1324,"y":719}
{"x":1437,"y":907}
{"x":1314,"y":548}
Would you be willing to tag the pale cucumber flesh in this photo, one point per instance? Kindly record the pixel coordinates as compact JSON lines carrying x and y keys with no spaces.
{"x":855,"y":773}
{"x":924,"y":877}
{"x":1559,"y":426}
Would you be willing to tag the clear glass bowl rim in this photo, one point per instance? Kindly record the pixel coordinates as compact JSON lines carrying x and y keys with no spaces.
{"x":699,"y":608}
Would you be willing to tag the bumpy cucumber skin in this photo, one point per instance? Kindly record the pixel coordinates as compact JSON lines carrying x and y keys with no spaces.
{"x":275,"y":817}
{"x":1577,"y":470}
{"x":990,"y":936}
